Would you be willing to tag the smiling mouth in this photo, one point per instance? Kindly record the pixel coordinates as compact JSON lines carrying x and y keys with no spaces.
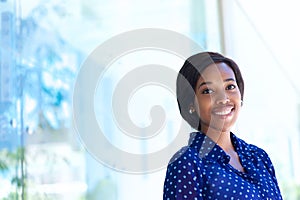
{"x":223,"y":111}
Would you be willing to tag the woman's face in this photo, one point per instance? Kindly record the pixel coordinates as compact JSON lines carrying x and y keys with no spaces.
{"x":218,"y":98}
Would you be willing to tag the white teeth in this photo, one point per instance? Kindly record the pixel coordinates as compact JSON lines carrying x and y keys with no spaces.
{"x":223,"y":112}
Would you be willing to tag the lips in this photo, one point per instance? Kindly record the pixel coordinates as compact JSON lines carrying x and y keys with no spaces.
{"x":223,"y":111}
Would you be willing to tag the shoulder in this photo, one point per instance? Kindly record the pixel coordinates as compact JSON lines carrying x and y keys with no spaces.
{"x":251,"y":148}
{"x":184,"y":155}
{"x":254,"y":149}
{"x":255,"y":152}
{"x":185,"y":160}
{"x":184,"y":176}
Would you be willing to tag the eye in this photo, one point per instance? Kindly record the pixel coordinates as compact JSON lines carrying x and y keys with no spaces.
{"x":231,"y":87}
{"x":207,"y":91}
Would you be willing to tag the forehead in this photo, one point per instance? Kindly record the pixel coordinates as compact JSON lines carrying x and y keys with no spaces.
{"x":218,"y":71}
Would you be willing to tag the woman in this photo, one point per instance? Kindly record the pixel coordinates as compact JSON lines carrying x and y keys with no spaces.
{"x":216,"y":164}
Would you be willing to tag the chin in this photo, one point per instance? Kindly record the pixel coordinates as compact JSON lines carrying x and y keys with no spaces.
{"x":222,"y":127}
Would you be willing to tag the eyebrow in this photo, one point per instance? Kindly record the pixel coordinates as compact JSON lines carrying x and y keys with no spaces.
{"x":207,"y":83}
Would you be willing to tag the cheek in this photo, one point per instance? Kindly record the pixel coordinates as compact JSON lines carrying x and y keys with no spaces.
{"x":203,"y":105}
{"x":234,"y":95}
{"x":238,"y":94}
{"x":237,"y":97}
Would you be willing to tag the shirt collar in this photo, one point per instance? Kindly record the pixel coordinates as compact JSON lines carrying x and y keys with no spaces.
{"x":207,"y":148}
{"x":241,"y":146}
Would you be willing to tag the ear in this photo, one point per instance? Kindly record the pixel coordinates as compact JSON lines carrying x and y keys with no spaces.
{"x":191,"y":109}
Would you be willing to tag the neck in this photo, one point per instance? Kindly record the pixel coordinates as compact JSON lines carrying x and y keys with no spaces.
{"x":222,"y":138}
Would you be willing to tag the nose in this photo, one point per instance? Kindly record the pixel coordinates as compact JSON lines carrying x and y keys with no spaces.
{"x":223,"y":101}
{"x":222,"y":98}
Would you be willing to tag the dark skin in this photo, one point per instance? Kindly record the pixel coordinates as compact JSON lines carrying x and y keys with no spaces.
{"x":218,"y":102}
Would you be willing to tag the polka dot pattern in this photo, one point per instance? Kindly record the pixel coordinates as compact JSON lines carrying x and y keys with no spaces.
{"x":202,"y":171}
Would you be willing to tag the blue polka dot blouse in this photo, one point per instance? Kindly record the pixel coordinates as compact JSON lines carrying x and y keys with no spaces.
{"x":202,"y":171}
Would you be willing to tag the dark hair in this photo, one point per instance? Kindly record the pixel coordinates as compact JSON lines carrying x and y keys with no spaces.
{"x":187,"y":79}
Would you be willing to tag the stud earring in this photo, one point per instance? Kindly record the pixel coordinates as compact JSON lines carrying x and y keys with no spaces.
{"x":191,"y":110}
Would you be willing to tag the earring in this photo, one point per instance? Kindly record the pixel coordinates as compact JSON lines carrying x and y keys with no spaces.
{"x":191,"y":110}
{"x":241,"y":102}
